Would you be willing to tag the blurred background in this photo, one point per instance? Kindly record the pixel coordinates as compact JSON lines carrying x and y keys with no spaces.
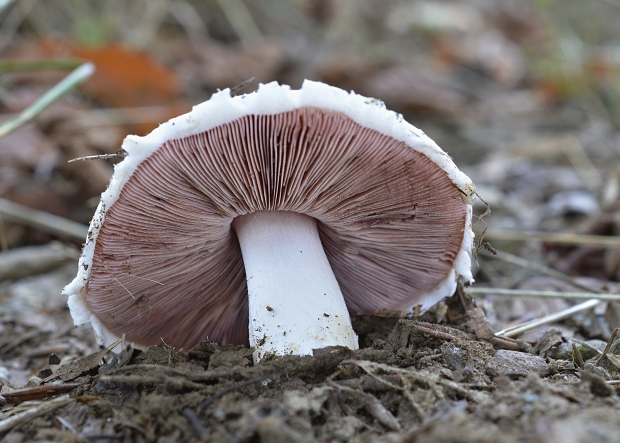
{"x":524,"y":95}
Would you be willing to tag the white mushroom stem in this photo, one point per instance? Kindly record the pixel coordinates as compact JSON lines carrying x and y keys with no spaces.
{"x":295,"y":302}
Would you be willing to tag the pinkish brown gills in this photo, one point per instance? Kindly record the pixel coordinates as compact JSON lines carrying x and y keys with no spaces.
{"x":167,"y":263}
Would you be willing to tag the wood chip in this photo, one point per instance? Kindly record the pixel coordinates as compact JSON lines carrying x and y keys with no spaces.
{"x":80,"y":366}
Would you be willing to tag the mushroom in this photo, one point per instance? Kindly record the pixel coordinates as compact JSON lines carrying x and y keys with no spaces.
{"x":290,"y":208}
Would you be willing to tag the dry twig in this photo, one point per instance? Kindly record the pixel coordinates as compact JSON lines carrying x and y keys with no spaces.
{"x":36,"y":411}
{"x":118,"y":154}
{"x":177,"y":383}
{"x":42,"y":220}
{"x":39,"y":392}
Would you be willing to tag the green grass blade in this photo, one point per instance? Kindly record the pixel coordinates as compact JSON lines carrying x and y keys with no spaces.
{"x":76,"y":77}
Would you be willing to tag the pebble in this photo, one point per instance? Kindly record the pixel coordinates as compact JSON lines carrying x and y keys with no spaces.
{"x":33,"y":381}
{"x":516,"y":364}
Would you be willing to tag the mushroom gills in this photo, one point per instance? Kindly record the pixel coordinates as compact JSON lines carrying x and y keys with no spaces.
{"x":295,"y":303}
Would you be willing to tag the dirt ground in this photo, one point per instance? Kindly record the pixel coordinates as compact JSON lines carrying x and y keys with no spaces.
{"x":413,"y":380}
{"x":525,"y":96}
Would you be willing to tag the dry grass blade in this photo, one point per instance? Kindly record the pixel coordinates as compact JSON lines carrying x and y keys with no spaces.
{"x":437,"y":331}
{"x":66,"y":424}
{"x":42,"y":220}
{"x":553,"y":237}
{"x":36,"y":411}
{"x":607,"y":348}
{"x":12,"y":342}
{"x":206,"y":376}
{"x":32,"y":260}
{"x":536,"y":267}
{"x":548,"y":319}
{"x":543,"y":294}
{"x":577,"y":358}
{"x":614,"y":359}
{"x":241,"y":85}
{"x":125,"y":116}
{"x":592,"y":299}
{"x":241,"y":21}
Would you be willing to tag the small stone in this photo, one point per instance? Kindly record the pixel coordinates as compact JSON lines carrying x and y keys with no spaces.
{"x":228,"y":357}
{"x":597,"y":384}
{"x":34,"y":381}
{"x":601,"y":372}
{"x":345,"y":428}
{"x":565,"y":350}
{"x":550,"y":340}
{"x":479,"y":324}
{"x":453,"y":357}
{"x":44,"y":373}
{"x":202,"y":352}
{"x":276,"y":430}
{"x":516,"y":364}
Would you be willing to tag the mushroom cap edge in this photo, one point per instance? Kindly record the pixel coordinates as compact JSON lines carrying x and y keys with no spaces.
{"x":269,"y":99}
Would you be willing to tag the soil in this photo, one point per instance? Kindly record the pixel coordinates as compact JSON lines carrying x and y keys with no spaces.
{"x":411,"y":381}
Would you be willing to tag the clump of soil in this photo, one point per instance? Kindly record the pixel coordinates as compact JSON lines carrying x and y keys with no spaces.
{"x":411,"y":381}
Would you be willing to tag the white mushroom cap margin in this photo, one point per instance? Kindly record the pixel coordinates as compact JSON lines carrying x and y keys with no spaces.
{"x":270,"y":98}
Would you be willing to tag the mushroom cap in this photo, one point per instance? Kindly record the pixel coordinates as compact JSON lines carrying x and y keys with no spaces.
{"x":161,"y":261}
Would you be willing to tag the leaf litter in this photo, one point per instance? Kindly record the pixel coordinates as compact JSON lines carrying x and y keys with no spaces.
{"x":407,"y":382}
